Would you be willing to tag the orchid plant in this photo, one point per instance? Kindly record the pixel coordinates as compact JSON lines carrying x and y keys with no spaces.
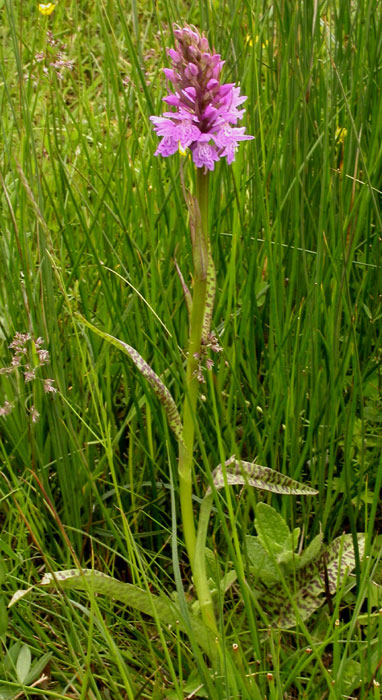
{"x":203,"y":118}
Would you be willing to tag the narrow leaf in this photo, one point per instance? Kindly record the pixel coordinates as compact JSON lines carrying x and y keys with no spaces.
{"x":295,"y":538}
{"x":3,"y":617}
{"x":210,"y":297}
{"x":155,"y":382}
{"x":186,"y":291}
{"x":137,"y":598}
{"x":3,"y":572}
{"x":199,"y":243}
{"x":239,"y":472}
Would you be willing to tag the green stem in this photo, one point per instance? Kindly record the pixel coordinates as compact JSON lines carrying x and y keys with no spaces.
{"x":200,"y":573}
{"x":200,"y":244}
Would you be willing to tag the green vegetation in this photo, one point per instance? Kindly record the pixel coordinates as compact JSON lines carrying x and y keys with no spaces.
{"x":91,"y":224}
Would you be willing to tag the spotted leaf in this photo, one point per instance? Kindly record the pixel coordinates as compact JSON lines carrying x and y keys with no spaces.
{"x":162,"y":606}
{"x":155,"y":382}
{"x":238,"y":472}
{"x":307,"y":585}
{"x":210,"y":297}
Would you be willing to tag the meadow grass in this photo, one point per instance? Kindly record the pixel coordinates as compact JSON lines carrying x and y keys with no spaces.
{"x":90,"y":224}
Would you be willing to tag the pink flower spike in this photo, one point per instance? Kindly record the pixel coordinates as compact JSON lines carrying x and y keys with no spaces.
{"x":205,"y":111}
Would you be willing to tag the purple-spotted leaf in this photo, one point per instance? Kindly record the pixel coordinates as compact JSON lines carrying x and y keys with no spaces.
{"x":210,"y":297}
{"x":238,"y":472}
{"x":308,"y":585}
{"x":155,"y":382}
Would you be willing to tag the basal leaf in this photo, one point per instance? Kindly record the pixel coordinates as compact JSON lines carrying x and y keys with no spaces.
{"x":239,"y":472}
{"x":137,"y":598}
{"x":307,"y":585}
{"x":340,"y":557}
{"x":155,"y":382}
{"x":262,"y":565}
{"x":311,"y":553}
{"x":18,"y":595}
{"x":273,"y":532}
{"x":213,"y":568}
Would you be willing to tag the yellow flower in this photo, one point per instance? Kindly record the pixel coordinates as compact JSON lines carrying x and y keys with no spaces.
{"x":46,"y":8}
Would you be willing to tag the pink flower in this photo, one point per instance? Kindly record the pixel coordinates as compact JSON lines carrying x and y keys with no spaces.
{"x":204,"y":154}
